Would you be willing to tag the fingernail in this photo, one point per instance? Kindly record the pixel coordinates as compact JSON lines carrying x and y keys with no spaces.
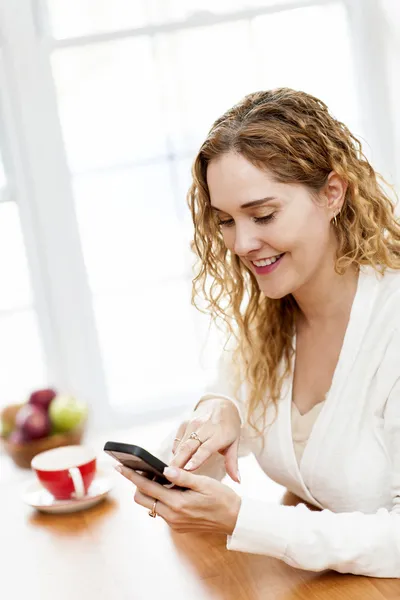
{"x":118,"y":468}
{"x":239,"y":478}
{"x":171,"y":472}
{"x":190,"y":465}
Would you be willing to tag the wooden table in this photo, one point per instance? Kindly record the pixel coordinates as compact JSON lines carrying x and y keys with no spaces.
{"x":116,"y":551}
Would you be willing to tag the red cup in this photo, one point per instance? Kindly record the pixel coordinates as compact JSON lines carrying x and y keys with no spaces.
{"x":66,"y":472}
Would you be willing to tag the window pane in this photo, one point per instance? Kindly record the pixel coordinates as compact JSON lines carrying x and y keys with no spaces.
{"x":14,"y":275}
{"x":183,"y":178}
{"x":21,"y":358}
{"x":319,"y":63}
{"x":80,"y":17}
{"x":109,"y":103}
{"x":138,"y":260}
{"x":150,"y":345}
{"x":200,"y":80}
{"x":129,"y":228}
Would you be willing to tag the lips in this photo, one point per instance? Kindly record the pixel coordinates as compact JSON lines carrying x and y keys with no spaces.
{"x":263,"y":262}
{"x":268,"y":268}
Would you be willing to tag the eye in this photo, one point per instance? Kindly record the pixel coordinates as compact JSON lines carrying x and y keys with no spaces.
{"x":226,"y":223}
{"x":265,"y":219}
{"x":260,"y":220}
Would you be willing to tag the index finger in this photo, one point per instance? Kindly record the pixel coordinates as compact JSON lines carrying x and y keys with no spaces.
{"x":185,"y":451}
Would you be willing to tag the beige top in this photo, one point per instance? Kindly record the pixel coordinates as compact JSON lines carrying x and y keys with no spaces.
{"x":302,"y":426}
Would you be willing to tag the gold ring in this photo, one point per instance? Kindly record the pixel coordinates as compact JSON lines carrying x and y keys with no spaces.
{"x":194,"y":436}
{"x":152,"y":512}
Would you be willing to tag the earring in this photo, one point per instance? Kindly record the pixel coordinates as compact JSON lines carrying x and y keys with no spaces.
{"x":335,"y":219}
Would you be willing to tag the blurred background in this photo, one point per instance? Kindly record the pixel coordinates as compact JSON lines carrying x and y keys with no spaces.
{"x":103,"y":105}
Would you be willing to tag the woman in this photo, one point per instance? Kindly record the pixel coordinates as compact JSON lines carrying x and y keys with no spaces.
{"x":299,"y":255}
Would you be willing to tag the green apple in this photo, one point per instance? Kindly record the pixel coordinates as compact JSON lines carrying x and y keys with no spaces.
{"x":66,"y":412}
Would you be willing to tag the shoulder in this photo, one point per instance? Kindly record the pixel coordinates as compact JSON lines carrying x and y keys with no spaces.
{"x":388,"y":281}
{"x":384,"y":289}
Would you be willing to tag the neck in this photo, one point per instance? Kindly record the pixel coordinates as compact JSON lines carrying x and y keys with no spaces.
{"x":328,"y":296}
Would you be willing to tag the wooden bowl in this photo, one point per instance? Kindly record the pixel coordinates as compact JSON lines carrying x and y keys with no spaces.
{"x":22,"y":454}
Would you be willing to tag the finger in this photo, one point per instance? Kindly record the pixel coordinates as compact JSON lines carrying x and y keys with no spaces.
{"x":183,"y":478}
{"x":144,"y":500}
{"x":163,"y":511}
{"x":179,"y":434}
{"x":187,"y":448}
{"x":149,"y":488}
{"x":147,"y":502}
{"x":231,"y":461}
{"x":201,"y":455}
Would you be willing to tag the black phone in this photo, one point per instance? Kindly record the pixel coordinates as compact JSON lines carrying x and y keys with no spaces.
{"x":138,"y":459}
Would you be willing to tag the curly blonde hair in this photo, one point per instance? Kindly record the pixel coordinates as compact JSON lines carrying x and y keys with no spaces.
{"x":293,"y":135}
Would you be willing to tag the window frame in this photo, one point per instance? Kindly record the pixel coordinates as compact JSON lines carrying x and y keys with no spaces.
{"x":50,"y":229}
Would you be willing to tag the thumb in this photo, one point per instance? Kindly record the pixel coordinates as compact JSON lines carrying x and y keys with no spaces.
{"x":184,"y":478}
{"x":231,"y":461}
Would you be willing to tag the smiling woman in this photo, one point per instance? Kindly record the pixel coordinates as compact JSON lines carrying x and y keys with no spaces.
{"x":299,"y":255}
{"x":305,"y":169}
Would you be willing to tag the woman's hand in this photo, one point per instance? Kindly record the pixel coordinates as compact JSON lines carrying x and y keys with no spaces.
{"x":217,"y":424}
{"x":207,"y":506}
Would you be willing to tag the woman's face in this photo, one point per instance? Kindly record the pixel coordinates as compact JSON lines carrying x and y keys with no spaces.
{"x":278,"y":230}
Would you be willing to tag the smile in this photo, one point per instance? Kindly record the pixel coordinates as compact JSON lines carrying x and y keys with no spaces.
{"x":267,"y":265}
{"x":266,"y":261}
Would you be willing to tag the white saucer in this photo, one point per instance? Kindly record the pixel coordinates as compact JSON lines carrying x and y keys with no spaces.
{"x":38,"y":497}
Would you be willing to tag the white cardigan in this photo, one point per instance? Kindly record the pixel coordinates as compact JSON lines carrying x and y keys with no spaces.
{"x":351,"y":464}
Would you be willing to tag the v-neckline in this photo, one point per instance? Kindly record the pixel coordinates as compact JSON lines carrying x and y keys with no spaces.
{"x":356,"y":327}
{"x":310,"y":410}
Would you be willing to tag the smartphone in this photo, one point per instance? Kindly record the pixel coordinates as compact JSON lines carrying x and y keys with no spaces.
{"x":138,"y":459}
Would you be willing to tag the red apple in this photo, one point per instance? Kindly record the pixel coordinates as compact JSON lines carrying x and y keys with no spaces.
{"x":42,"y":398}
{"x":33,"y":422}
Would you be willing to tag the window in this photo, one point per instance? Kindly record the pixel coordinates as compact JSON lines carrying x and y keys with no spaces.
{"x":133,"y":112}
{"x":121,"y":94}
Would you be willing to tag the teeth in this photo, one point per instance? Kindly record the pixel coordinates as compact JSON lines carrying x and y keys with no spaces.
{"x":266,"y":261}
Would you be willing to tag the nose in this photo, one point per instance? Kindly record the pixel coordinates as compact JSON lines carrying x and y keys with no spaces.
{"x":246,"y":240}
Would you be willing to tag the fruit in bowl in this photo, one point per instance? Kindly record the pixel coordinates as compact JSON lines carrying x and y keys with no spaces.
{"x":42,"y":398}
{"x":46,"y":420}
{"x":7,"y":419}
{"x":66,"y":412}
{"x":32,"y":422}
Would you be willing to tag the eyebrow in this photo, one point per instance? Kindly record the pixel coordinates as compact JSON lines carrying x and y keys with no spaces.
{"x":249,"y":204}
